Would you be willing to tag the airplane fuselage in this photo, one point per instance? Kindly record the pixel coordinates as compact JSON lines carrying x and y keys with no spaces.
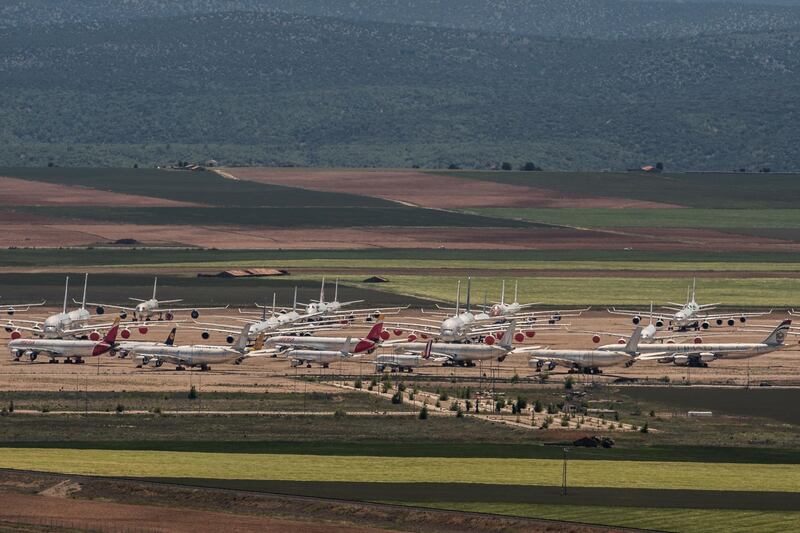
{"x":55,"y":325}
{"x":580,"y":358}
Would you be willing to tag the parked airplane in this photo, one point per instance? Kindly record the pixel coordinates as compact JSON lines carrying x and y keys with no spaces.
{"x":72,"y":351}
{"x":196,"y":355}
{"x":126,"y":347}
{"x":64,"y":324}
{"x":690,"y":314}
{"x":699,"y":355}
{"x":147,"y":309}
{"x":461,"y":354}
{"x":502,"y":309}
{"x":588,"y":361}
{"x":20,"y":308}
{"x":285,"y":343}
{"x":335,"y":309}
{"x":283,"y":323}
{"x":460,"y":327}
{"x":322,"y":357}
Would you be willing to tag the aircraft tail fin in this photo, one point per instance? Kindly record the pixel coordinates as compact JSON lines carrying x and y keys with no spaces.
{"x":345,"y":351}
{"x":778,"y":335}
{"x":111,"y":335}
{"x":241,"y":343}
{"x":171,"y":337}
{"x":155,"y":286}
{"x":508,"y":337}
{"x":374,"y":334}
{"x":85,"y":283}
{"x":426,"y":352}
{"x":633,"y":341}
{"x":66,"y":291}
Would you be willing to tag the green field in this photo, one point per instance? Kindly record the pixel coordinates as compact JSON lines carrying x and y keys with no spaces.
{"x":661,"y":519}
{"x":726,"y":219}
{"x":542,"y":472}
{"x":410,"y":289}
{"x":494,"y":259}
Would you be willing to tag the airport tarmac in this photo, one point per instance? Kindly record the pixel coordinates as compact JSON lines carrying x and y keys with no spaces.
{"x":107,"y":373}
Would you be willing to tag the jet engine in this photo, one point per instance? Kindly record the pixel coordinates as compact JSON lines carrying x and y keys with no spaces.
{"x":16,"y":334}
{"x":143,"y":330}
{"x":398,"y":332}
{"x":636,"y":319}
{"x":205,"y":335}
{"x":195,"y":314}
{"x":596,"y":339}
{"x":94,"y":336}
{"x":698,"y":340}
{"x":621,"y":341}
{"x":489,"y":340}
{"x":719,"y":321}
{"x":681,"y":360}
{"x":530,"y":334}
{"x":10,"y":311}
{"x":385,"y":335}
{"x":707,"y":357}
{"x":731,"y":322}
{"x":705,"y":325}
{"x":229,"y":339}
{"x":100,"y":310}
{"x":659,"y":322}
{"x":125,"y":333}
{"x":169,"y":316}
{"x":411,"y":337}
{"x":519,"y":337}
{"x":742,"y":319}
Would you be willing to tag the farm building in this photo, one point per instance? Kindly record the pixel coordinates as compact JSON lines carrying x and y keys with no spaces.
{"x":247,"y":273}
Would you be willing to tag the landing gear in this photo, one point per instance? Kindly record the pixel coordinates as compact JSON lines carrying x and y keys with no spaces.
{"x":204,"y":368}
{"x":179,"y":367}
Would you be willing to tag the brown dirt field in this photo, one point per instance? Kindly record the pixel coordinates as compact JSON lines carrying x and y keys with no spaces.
{"x":423,"y":189}
{"x":35,"y":234}
{"x":276,"y":375}
{"x":105,"y":516}
{"x":292,"y":513}
{"x":15,"y":192}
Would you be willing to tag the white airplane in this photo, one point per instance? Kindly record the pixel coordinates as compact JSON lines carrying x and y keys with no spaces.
{"x":690,"y":314}
{"x":72,"y":351}
{"x":461,"y":354}
{"x":64,"y":324}
{"x":398,"y":362}
{"x":286,"y":343}
{"x":283,"y":323}
{"x":20,"y":308}
{"x":124,"y":348}
{"x":587,"y":361}
{"x":503,"y":309}
{"x":322,"y":357}
{"x":147,"y":309}
{"x":320,"y":309}
{"x":459,"y":327}
{"x":196,"y":355}
{"x":699,"y":355}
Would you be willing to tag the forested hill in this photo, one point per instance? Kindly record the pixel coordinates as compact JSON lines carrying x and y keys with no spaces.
{"x":147,"y":82}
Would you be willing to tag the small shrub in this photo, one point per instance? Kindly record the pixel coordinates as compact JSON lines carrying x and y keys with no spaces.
{"x":468,"y":405}
{"x":401,"y":386}
{"x":370,"y":387}
{"x":522,"y":403}
{"x":616,"y":416}
{"x":455,"y":406}
{"x":438,"y":403}
{"x":443,"y":396}
{"x":569,"y":383}
{"x":515,"y":378}
{"x":498,"y":405}
{"x":644,"y":428}
{"x":357,"y":384}
{"x":193,"y":392}
{"x":156,"y":410}
{"x":339,"y":413}
{"x":423,"y":413}
{"x":11,"y":406}
{"x":459,"y":413}
{"x":373,"y":383}
{"x":652,"y":413}
{"x":537,"y":407}
{"x":121,"y":408}
{"x":397,"y":398}
{"x":411,"y":396}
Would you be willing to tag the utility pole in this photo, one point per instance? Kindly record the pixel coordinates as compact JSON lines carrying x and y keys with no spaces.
{"x":564,"y":474}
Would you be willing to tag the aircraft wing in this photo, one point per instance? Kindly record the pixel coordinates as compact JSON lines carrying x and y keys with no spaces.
{"x":111,"y":306}
{"x":654,"y":356}
{"x":21,"y":307}
{"x":627,"y":312}
{"x":725,"y":316}
{"x":32,"y":328}
{"x":176,"y":309}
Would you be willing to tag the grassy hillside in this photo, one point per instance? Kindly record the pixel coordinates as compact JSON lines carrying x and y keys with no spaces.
{"x":285,"y":88}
